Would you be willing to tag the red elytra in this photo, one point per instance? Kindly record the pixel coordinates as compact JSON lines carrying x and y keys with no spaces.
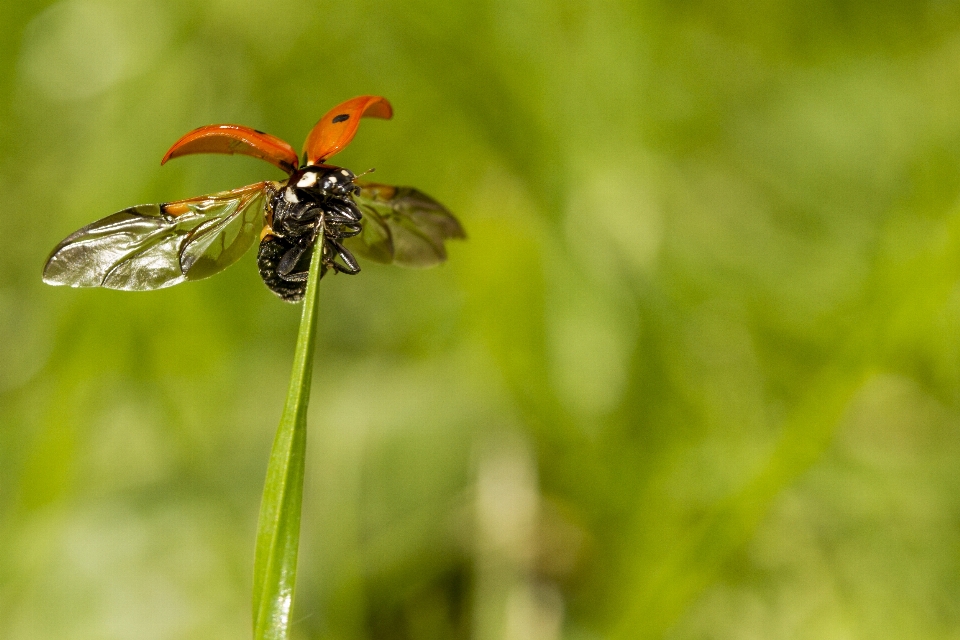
{"x":235,"y":138}
{"x":328,"y":137}
{"x":336,"y":129}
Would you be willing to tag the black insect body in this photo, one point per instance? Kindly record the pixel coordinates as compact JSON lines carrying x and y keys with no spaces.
{"x":314,"y":203}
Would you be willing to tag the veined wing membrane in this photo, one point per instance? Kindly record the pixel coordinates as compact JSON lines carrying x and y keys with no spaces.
{"x":159,"y":245}
{"x":375,"y":241}
{"x":417,"y":224}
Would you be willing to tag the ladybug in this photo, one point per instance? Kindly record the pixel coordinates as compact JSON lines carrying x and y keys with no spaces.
{"x":154,"y":246}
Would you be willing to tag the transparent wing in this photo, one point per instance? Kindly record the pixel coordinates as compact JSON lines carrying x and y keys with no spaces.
{"x":403,"y":226}
{"x":375,"y":241}
{"x":159,"y":245}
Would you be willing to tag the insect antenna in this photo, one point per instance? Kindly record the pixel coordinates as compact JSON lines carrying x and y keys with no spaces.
{"x":370,"y":170}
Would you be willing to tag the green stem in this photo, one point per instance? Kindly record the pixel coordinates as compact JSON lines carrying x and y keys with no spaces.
{"x":278,"y":531}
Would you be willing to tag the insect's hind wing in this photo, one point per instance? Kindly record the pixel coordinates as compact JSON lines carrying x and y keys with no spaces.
{"x":133,"y":249}
{"x":417,"y":225}
{"x":374,"y":242}
{"x":234,"y":223}
{"x":159,"y":245}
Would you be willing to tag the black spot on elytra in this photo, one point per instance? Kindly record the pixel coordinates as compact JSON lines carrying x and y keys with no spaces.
{"x":341,"y":118}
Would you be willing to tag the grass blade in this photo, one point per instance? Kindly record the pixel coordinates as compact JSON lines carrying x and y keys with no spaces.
{"x":278,"y":531}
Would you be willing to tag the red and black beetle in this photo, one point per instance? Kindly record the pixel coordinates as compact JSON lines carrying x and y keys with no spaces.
{"x":159,"y":245}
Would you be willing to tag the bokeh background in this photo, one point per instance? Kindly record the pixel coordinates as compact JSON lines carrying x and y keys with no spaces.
{"x":694,"y":374}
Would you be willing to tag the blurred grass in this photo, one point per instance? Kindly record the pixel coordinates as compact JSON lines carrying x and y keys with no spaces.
{"x":693,"y":375}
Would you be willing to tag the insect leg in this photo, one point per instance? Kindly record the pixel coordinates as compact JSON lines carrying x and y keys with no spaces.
{"x":345,"y":210}
{"x":350,"y":264}
{"x":292,"y":256}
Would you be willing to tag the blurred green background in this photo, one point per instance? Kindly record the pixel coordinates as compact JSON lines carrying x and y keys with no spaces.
{"x":694,"y":374}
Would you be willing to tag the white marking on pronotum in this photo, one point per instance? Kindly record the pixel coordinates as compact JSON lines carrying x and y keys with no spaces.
{"x":290,"y":196}
{"x":344,"y":172}
{"x":308,"y":180}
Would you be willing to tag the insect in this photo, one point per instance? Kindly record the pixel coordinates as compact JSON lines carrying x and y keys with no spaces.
{"x":159,"y":245}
